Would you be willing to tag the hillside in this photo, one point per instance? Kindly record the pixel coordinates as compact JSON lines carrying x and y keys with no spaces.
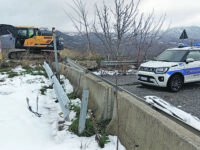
{"x":169,"y":38}
{"x":173,"y":34}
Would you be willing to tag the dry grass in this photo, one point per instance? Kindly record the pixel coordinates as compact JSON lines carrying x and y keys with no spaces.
{"x":69,"y":53}
{"x":73,"y":54}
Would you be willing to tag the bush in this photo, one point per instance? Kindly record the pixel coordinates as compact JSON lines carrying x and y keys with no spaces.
{"x":72,"y":95}
{"x":76,"y":109}
{"x":89,"y":128}
{"x":90,"y":131}
{"x":42,"y":91}
{"x":99,"y":59}
{"x":50,"y":87}
{"x":87,"y":132}
{"x":103,"y":140}
{"x":102,"y":126}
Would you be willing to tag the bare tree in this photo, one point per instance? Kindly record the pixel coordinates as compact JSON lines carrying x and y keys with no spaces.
{"x":80,"y":21}
{"x":113,"y":25}
{"x":148,"y":31}
{"x":119,"y":27}
{"x":124,"y":26}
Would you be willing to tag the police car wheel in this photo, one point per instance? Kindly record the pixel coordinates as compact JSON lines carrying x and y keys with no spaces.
{"x":175,"y":83}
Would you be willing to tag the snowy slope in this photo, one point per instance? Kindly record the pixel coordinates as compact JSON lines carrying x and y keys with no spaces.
{"x":22,"y":130}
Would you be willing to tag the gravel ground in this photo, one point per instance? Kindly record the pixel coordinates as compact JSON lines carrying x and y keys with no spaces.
{"x":187,"y":99}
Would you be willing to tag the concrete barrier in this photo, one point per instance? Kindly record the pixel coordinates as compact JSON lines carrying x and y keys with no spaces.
{"x":141,"y":127}
{"x":100,"y":93}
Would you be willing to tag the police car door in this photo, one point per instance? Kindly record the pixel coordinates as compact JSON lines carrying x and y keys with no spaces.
{"x":192,"y":67}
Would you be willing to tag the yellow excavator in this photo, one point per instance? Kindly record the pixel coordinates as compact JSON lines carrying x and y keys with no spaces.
{"x":30,"y":39}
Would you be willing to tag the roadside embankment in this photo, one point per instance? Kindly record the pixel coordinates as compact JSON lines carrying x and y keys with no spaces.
{"x":140,"y":127}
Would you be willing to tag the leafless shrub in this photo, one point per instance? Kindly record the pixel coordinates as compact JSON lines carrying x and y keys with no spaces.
{"x":81,"y":22}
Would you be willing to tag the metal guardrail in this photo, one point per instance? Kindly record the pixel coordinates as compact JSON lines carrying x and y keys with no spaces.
{"x":61,"y":95}
{"x":116,"y":63}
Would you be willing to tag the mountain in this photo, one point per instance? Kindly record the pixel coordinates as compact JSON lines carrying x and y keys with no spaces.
{"x":173,"y":34}
{"x":169,"y":38}
{"x":74,"y":40}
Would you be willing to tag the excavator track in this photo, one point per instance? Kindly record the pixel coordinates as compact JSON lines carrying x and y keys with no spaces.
{"x":29,"y":55}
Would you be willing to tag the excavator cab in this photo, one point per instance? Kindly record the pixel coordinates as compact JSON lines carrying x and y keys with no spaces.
{"x":24,"y":33}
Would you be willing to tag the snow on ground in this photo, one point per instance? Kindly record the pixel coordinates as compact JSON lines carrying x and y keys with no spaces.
{"x":173,"y":111}
{"x":22,"y":130}
{"x":114,"y":72}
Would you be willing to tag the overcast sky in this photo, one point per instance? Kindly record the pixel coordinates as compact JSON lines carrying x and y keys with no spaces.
{"x":49,"y":13}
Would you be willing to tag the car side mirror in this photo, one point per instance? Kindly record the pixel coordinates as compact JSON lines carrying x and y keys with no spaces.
{"x":188,"y":60}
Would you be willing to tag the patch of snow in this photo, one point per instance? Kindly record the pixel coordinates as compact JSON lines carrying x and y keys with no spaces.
{"x":114,"y":72}
{"x":66,"y":86}
{"x":22,"y":130}
{"x":18,"y":69}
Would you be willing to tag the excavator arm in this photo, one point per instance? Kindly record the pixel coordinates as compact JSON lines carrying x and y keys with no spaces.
{"x":8,"y":29}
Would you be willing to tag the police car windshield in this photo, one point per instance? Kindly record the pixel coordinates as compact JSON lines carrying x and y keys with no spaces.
{"x":171,"y":55}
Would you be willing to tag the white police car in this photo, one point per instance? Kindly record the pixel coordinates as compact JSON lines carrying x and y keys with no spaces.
{"x":172,"y":68}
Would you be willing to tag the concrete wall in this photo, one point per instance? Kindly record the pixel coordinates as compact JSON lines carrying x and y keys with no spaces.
{"x":100,"y":93}
{"x":141,"y":128}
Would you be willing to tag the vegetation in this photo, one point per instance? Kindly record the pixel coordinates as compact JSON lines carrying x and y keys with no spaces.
{"x":12,"y":74}
{"x":103,"y":140}
{"x":7,"y":65}
{"x":44,"y":89}
{"x":38,"y":70}
{"x":76,"y":109}
{"x":87,"y":132}
{"x":99,"y":59}
{"x":5,"y":69}
{"x":129,"y":29}
{"x":61,"y":82}
{"x":89,"y":127}
{"x":102,"y":126}
{"x":72,"y":95}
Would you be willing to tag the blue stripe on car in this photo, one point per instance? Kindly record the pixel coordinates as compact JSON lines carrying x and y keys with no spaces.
{"x":188,"y":71}
{"x":181,"y":71}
